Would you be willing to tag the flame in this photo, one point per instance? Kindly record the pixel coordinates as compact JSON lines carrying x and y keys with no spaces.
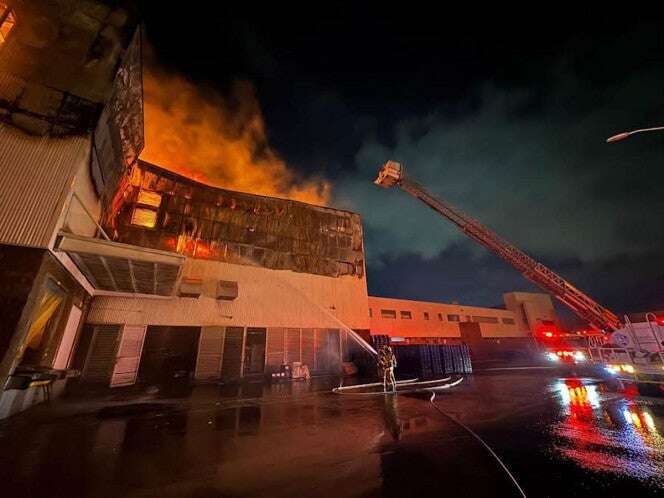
{"x":219,"y":141}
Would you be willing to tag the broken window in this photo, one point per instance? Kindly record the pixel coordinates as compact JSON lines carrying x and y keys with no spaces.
{"x":144,"y":217}
{"x":149,"y":198}
{"x":7,"y":22}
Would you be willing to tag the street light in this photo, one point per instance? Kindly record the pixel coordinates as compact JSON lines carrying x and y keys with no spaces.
{"x":624,"y":135}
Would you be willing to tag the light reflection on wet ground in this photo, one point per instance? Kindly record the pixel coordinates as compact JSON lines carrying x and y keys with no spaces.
{"x":603,"y":432}
{"x":559,"y":437}
{"x":567,"y":436}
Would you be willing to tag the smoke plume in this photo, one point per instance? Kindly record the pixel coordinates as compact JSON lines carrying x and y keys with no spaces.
{"x":220,"y":141}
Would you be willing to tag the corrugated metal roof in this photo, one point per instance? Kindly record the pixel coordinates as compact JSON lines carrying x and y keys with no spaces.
{"x":36,"y":175}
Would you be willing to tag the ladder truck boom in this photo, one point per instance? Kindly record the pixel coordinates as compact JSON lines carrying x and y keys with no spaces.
{"x":391,"y":174}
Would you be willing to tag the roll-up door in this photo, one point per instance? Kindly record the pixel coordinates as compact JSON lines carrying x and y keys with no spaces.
{"x":327,"y":350}
{"x":101,"y":356}
{"x":129,"y":356}
{"x":308,"y":355}
{"x":293,"y":345}
{"x":210,"y":350}
{"x":231,"y":366}
{"x":275,"y":348}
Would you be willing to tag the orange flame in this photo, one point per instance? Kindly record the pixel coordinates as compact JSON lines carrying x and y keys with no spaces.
{"x":220,"y":141}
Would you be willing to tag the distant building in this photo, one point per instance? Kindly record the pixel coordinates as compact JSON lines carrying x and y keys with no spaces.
{"x":486,"y":330}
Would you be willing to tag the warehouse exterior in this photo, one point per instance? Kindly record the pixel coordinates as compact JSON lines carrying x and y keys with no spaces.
{"x":115,"y":271}
{"x":488,"y":331}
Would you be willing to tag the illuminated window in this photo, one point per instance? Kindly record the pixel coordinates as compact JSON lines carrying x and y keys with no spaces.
{"x":144,"y":217}
{"x":388,"y":314}
{"x":149,"y":198}
{"x":453,"y":318}
{"x":406,"y":315}
{"x":426,"y":315}
{"x":7,"y":22}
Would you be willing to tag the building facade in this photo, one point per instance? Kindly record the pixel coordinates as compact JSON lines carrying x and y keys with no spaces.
{"x":115,"y":271}
{"x":58,"y":61}
{"x":490,"y":332}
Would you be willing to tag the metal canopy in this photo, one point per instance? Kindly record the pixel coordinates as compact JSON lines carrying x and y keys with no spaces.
{"x":123,"y":268}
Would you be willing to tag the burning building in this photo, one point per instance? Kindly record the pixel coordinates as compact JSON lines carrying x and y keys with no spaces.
{"x":117,"y":271}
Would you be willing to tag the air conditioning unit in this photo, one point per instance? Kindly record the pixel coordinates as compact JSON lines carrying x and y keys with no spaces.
{"x":191,"y":288}
{"x":226,"y":290}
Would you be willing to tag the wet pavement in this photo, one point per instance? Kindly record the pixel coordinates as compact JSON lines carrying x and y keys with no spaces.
{"x":558,"y":437}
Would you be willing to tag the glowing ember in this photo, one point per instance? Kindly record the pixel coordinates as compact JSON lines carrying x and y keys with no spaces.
{"x":222,"y":142}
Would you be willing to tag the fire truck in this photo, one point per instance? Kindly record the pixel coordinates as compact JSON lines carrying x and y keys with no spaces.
{"x":632,"y":352}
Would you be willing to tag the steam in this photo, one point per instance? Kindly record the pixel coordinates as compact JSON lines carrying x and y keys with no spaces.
{"x":220,"y":141}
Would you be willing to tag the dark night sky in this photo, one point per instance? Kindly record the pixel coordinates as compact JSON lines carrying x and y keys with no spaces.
{"x":504,"y":114}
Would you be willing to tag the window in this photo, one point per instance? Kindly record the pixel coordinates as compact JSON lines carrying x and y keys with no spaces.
{"x":7,"y":22}
{"x":144,"y":217}
{"x":426,"y":315}
{"x":406,"y":315}
{"x":149,"y":198}
{"x":370,"y":313}
{"x":485,"y":319}
{"x":440,"y":317}
{"x":508,"y":321}
{"x":453,"y":318}
{"x":40,"y":338}
{"x":388,"y":314}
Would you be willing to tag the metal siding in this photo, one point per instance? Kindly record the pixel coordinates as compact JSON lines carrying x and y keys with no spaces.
{"x":101,"y":359}
{"x":231,"y":365}
{"x":210,"y":351}
{"x":37,"y":174}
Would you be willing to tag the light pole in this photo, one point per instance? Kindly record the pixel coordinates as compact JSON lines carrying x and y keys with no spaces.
{"x":624,"y":135}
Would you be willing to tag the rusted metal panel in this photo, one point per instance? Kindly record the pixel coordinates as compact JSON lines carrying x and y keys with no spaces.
{"x":37,"y":175}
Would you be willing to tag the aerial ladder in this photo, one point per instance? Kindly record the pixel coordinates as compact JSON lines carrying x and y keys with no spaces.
{"x":598,"y":317}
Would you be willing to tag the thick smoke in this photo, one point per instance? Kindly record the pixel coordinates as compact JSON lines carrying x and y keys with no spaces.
{"x":221,"y":141}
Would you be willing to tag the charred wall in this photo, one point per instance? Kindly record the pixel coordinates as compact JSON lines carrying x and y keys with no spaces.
{"x":162,"y":210}
{"x":58,"y":63}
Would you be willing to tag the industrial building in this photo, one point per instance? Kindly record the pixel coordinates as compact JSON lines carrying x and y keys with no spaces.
{"x":489,"y":331}
{"x":116,"y":271}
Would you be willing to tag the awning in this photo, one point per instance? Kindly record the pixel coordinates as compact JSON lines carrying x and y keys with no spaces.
{"x":116,"y":267}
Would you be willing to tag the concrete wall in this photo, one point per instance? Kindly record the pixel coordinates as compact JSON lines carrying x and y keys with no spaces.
{"x":530,"y":309}
{"x":418,"y":326}
{"x":267,"y":298}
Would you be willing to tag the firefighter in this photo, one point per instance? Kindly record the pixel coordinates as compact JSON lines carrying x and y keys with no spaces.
{"x":387,"y":362}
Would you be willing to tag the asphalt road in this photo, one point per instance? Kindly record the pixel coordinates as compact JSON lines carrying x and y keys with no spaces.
{"x":557,"y":437}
